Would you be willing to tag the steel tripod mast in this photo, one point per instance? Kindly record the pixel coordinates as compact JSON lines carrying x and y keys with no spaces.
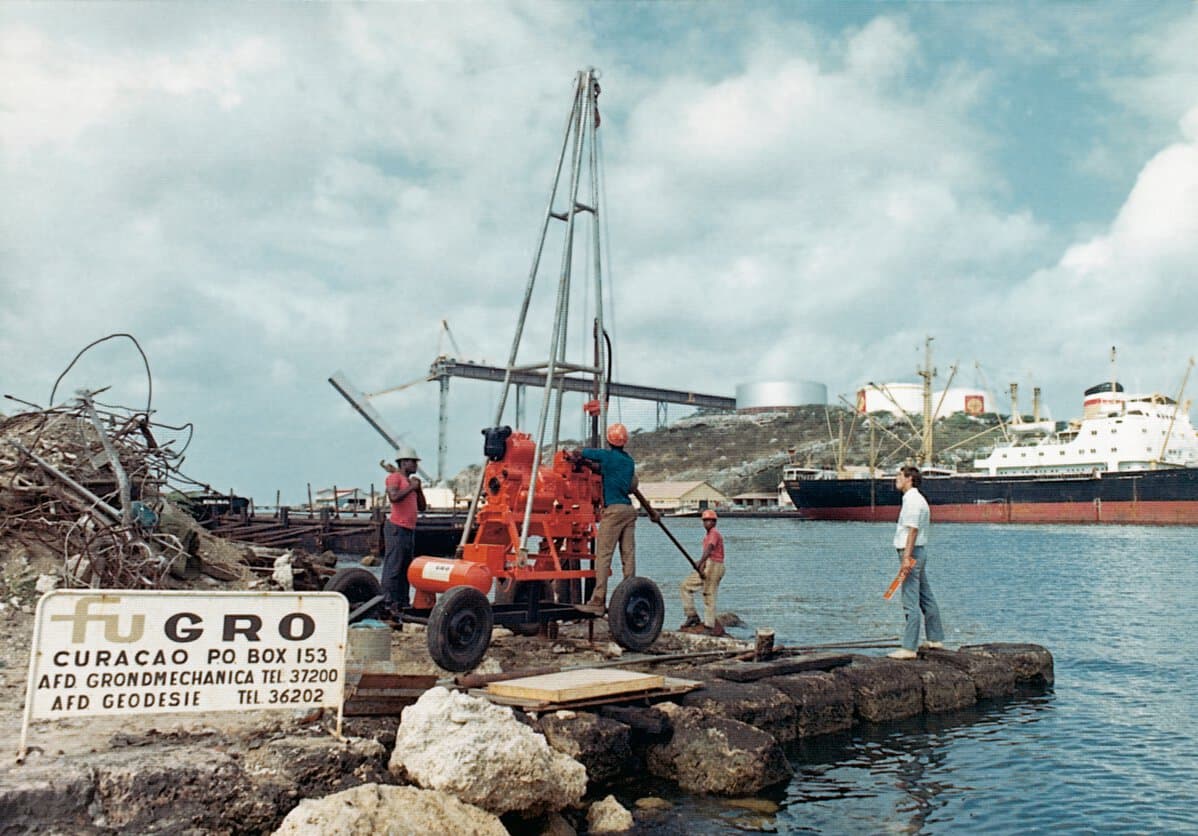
{"x":580,"y":140}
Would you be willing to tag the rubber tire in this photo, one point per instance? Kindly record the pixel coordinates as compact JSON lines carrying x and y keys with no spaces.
{"x":635,"y":613}
{"x":459,"y":629}
{"x":358,"y":586}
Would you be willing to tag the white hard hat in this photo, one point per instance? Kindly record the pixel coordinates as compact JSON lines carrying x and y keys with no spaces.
{"x":406,"y":452}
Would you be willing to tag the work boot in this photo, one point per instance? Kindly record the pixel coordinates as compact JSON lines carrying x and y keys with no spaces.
{"x":691,"y":621}
{"x":903,"y":653}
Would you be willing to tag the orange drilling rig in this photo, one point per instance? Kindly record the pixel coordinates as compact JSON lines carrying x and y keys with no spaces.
{"x":521,"y":501}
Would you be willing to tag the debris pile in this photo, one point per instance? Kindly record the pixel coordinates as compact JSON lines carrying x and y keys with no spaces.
{"x":88,"y":482}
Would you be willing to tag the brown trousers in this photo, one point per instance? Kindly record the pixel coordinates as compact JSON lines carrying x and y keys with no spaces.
{"x":713,"y":573}
{"x":616,"y":525}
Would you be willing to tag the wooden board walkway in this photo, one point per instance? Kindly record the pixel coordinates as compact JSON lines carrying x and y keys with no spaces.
{"x":567,"y":686}
{"x":670,"y":687}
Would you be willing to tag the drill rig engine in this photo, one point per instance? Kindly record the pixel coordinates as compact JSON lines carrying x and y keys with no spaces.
{"x":565,"y":513}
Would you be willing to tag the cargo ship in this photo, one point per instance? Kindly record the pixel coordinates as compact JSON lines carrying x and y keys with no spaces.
{"x":1130,"y":459}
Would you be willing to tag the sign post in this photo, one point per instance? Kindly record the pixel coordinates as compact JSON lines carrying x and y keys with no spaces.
{"x":112,"y":652}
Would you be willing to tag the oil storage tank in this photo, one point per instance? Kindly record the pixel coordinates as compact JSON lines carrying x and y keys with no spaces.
{"x":770,"y":395}
{"x":895,"y":398}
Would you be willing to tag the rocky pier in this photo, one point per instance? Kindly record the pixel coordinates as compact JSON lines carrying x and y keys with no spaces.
{"x":457,"y":763}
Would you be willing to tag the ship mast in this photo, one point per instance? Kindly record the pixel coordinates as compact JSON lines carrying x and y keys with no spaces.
{"x":1176,"y":406}
{"x":927,"y":373}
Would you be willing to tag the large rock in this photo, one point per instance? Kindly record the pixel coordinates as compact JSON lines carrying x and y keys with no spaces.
{"x":480,"y":753}
{"x":372,"y":809}
{"x":315,"y":766}
{"x":945,"y":688}
{"x":761,"y":706}
{"x":609,"y":816}
{"x":193,"y":789}
{"x":823,"y":702}
{"x":714,"y":755}
{"x":45,"y":797}
{"x":994,"y":676}
{"x":147,"y":788}
{"x":883,"y":689}
{"x":1031,"y":663}
{"x":599,"y":744}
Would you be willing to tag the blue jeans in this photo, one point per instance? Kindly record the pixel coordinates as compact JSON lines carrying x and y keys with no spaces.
{"x":400,"y":546}
{"x":919,"y":605}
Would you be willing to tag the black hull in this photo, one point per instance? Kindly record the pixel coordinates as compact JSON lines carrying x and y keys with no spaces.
{"x":1149,"y":497}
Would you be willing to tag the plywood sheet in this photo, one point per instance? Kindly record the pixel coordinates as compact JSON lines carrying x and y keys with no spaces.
{"x":586,"y":683}
{"x":672,"y":688}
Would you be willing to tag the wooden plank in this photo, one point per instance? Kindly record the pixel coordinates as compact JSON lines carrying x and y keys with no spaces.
{"x":672,"y":688}
{"x":752,"y":671}
{"x":586,"y":683}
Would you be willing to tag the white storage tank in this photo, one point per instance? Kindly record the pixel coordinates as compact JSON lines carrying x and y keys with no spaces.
{"x":895,"y":398}
{"x":960,"y":399}
{"x":765,"y":396}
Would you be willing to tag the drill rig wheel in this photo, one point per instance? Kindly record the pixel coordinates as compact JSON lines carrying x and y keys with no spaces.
{"x":635,"y":613}
{"x":358,"y":586}
{"x":459,"y":629}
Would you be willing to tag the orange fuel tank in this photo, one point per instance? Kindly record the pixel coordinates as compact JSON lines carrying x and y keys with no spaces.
{"x":438,"y":574}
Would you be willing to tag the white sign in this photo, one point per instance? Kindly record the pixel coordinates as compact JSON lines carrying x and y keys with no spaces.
{"x":137,"y":652}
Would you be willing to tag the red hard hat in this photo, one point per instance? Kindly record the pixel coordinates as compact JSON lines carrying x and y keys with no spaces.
{"x":708,"y":515}
{"x":617,"y":435}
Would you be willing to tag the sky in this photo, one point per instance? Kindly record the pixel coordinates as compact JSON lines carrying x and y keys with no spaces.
{"x":262,"y":194}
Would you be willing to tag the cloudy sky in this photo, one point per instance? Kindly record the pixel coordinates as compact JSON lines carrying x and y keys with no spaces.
{"x":263,"y":194}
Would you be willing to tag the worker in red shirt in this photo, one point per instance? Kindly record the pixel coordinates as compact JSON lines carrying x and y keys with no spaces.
{"x":707,"y":578}
{"x":406,"y":495}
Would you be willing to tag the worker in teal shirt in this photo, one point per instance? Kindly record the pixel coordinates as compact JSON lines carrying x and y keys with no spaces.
{"x":618,"y":521}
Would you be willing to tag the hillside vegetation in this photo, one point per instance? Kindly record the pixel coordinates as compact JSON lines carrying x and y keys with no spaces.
{"x":738,"y":453}
{"x":742,"y":453}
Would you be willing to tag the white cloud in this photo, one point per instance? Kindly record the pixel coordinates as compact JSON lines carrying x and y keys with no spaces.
{"x":264,"y":198}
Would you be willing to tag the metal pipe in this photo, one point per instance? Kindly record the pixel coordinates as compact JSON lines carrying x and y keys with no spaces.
{"x":111,"y":512}
{"x":442,"y":427}
{"x":563,"y":289}
{"x":522,"y":317}
{"x":114,"y":461}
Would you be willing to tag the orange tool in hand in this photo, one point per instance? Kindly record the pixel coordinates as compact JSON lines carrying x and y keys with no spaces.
{"x":896,"y":583}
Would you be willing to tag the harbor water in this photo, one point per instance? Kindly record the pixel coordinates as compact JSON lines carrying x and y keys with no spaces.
{"x":1112,"y":747}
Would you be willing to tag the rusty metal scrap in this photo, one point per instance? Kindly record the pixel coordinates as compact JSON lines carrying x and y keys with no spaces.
{"x":89,"y":481}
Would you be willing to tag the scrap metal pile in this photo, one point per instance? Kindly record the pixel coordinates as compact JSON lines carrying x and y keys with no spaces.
{"x":88,"y":482}
{"x":98,"y":487}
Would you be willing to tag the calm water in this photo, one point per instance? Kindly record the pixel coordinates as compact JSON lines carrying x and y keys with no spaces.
{"x":1112,"y":747}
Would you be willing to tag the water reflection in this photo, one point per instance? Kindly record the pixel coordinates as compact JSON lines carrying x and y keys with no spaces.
{"x":905,"y":772}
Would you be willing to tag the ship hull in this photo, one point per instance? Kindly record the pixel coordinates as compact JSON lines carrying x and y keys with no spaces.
{"x":1157,"y":497}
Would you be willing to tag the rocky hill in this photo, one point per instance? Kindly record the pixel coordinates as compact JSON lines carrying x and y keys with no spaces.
{"x":737,"y":452}
{"x":741,"y":453}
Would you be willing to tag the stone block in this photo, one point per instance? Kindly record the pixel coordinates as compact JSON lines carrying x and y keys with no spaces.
{"x":1032,"y":664}
{"x":45,"y":796}
{"x":883,"y":689}
{"x":823,"y":702}
{"x":599,"y":744}
{"x":994,"y":676}
{"x":718,"y":756}
{"x":945,"y":688}
{"x":761,"y":706}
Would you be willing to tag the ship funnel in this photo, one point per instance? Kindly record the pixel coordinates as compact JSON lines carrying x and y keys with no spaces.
{"x":1036,"y":404}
